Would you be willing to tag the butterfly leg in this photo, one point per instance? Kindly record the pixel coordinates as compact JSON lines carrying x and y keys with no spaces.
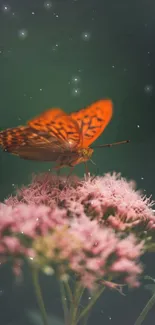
{"x":86,"y":170}
{"x":70,"y":172}
{"x":97,"y":173}
{"x":58,"y":172}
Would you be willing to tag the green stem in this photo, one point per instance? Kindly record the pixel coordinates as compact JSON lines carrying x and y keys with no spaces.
{"x":145,"y":311}
{"x":85,"y":319}
{"x":91,"y":304}
{"x":69,"y":292}
{"x":39,"y":295}
{"x":64,"y":302}
{"x":75,"y":305}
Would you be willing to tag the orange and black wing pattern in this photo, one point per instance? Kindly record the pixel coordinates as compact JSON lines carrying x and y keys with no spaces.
{"x":93,"y":119}
{"x":54,"y":135}
{"x":44,"y":138}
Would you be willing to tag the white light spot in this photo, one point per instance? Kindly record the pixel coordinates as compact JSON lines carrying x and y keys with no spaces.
{"x":75,"y":79}
{"x":142,"y":178}
{"x":86,"y":36}
{"x":41,"y":89}
{"x":148,"y":89}
{"x":56,"y":15}
{"x":33,"y":13}
{"x":138,"y":126}
{"x":48,"y":5}
{"x":76,"y":92}
{"x":22,"y":33}
{"x":113,"y":66}
{"x":55,"y":47}
{"x":6,"y":8}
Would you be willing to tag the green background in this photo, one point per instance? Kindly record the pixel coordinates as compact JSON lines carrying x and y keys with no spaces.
{"x":114,"y":59}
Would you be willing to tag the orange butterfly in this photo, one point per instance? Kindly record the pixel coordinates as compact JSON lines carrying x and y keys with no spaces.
{"x":57,"y":136}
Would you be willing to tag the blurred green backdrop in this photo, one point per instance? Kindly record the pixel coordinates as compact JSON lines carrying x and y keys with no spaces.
{"x":69,"y":53}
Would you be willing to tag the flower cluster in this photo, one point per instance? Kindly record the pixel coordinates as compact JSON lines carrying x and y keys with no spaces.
{"x":48,"y":238}
{"x":81,"y":226}
{"x":110,"y":199}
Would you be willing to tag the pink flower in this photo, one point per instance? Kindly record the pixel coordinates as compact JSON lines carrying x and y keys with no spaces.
{"x":100,"y":246}
{"x":22,"y":223}
{"x":78,"y":226}
{"x":111,"y":199}
{"x":10,"y":245}
{"x":80,"y":246}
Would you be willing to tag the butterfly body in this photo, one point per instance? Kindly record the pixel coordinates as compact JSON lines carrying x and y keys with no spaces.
{"x":82,"y":155}
{"x":57,"y":136}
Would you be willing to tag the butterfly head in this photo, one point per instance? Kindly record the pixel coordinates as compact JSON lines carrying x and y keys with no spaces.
{"x":84,"y":154}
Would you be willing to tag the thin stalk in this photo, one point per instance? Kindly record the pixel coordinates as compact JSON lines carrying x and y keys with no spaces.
{"x":145,"y":311}
{"x":85,"y":319}
{"x":39,"y":297}
{"x":75,"y":305}
{"x":64,"y":302}
{"x":91,"y":304}
{"x":69,"y":292}
{"x":80,"y":294}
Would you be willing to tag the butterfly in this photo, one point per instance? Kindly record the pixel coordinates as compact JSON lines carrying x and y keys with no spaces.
{"x":59,"y":137}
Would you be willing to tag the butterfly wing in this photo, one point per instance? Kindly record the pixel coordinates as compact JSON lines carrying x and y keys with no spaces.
{"x":54,"y":123}
{"x":47,"y":153}
{"x":45,"y":120}
{"x":93,"y":119}
{"x":11,"y":139}
{"x":45,"y":138}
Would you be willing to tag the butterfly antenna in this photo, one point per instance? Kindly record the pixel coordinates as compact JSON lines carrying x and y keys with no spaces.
{"x":111,"y":144}
{"x":92,"y":162}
